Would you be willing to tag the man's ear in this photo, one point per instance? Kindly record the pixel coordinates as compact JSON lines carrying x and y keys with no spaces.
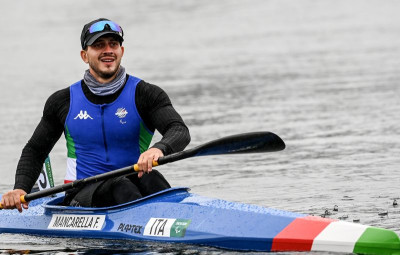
{"x":84,"y":56}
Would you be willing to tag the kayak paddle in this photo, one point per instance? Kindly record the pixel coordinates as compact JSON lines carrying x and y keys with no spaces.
{"x":255,"y":142}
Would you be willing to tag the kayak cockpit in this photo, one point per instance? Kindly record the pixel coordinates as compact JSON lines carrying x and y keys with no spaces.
{"x":176,"y":195}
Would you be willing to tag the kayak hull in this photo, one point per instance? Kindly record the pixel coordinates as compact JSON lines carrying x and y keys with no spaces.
{"x":176,"y":215}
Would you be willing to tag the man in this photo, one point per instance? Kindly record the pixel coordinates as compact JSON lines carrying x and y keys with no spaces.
{"x":108,"y":120}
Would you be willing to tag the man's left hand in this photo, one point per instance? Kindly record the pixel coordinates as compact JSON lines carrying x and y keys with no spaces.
{"x":146,"y":159}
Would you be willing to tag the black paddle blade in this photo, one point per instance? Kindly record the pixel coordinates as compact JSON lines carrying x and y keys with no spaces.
{"x":243,"y":143}
{"x":255,"y":142}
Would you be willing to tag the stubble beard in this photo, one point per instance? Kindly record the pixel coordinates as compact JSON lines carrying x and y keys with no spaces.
{"x":105,"y":74}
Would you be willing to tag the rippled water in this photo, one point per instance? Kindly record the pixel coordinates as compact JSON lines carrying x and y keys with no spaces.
{"x":324,"y":75}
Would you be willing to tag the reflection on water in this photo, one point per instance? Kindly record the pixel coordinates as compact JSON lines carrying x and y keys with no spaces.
{"x":321,"y":74}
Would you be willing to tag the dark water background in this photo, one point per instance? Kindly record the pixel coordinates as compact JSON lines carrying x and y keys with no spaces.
{"x":324,"y":75}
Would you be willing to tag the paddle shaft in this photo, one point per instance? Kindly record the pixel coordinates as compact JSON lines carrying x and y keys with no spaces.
{"x":255,"y":142}
{"x":81,"y":182}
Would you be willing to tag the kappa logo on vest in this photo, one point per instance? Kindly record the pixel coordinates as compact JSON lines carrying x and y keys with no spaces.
{"x":121,"y":113}
{"x":83,"y":115}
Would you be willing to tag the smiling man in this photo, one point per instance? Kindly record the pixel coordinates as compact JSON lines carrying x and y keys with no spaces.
{"x":108,"y":120}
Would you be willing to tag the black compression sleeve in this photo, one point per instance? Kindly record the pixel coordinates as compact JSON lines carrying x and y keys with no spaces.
{"x":42,"y":141}
{"x":157,"y":112}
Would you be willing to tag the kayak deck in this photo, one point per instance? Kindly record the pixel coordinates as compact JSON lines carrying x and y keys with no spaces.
{"x":175,"y":215}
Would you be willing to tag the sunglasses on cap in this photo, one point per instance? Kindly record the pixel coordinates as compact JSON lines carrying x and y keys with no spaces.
{"x":104,"y":24}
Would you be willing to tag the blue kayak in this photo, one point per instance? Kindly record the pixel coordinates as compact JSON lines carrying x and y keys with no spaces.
{"x":176,"y":215}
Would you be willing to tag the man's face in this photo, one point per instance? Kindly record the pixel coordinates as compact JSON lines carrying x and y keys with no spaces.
{"x":104,"y":58}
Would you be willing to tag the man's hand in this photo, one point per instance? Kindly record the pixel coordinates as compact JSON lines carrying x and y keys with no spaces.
{"x":12,"y":200}
{"x":145,"y":161}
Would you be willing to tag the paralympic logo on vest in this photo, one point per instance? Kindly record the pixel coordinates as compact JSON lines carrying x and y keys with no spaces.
{"x":121,"y":113}
{"x":83,"y":115}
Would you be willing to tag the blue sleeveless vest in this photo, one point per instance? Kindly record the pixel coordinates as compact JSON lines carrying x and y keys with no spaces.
{"x":102,"y":138}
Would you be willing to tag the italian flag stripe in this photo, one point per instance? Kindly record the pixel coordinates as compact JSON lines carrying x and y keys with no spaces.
{"x":312,"y":233}
{"x":378,"y":241}
{"x":300,"y":234}
{"x":339,"y":236}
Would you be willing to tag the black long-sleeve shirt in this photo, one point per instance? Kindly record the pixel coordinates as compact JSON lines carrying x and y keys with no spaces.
{"x":152,"y":103}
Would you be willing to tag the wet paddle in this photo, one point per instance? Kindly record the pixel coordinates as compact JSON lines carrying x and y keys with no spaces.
{"x":255,"y":142}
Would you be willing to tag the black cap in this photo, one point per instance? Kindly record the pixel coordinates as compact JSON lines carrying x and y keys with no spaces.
{"x":88,"y":38}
